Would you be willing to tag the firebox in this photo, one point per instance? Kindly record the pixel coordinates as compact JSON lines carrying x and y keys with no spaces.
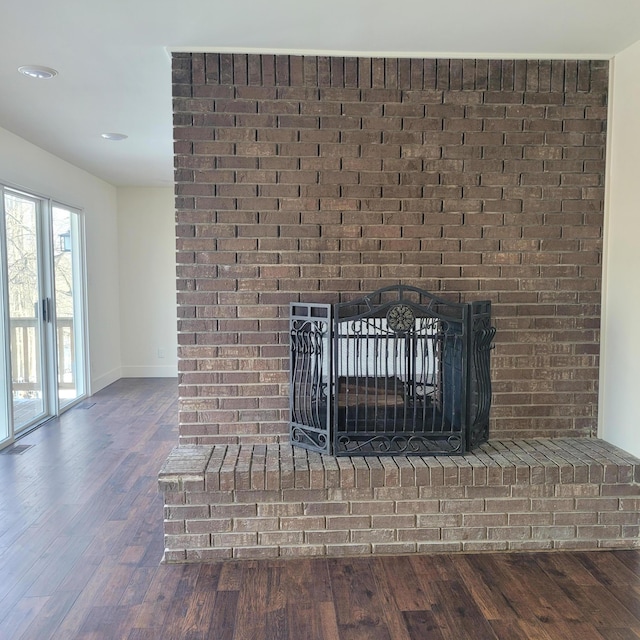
{"x":397,"y":372}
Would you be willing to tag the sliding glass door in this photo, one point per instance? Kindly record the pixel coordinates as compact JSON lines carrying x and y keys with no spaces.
{"x":67,"y":280}
{"x":42,"y":304}
{"x":27,"y":302}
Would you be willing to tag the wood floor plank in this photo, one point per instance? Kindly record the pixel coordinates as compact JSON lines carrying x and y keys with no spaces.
{"x":138,"y":586}
{"x":197,"y":619}
{"x":601,"y":608}
{"x":305,"y":620}
{"x":620,"y":601}
{"x":398,"y":588}
{"x":357,"y":604}
{"x":50,"y":616}
{"x":422,"y":624}
{"x":62,"y":561}
{"x":565,"y":568}
{"x":152,"y":612}
{"x":142,"y":634}
{"x":86,"y":598}
{"x":84,"y":570}
{"x":508,"y":629}
{"x":222,"y":623}
{"x":22,"y":615}
{"x":276,"y":595}
{"x":629,"y":557}
{"x":520,"y":630}
{"x":577,"y":629}
{"x":457,"y":614}
{"x":329,"y":620}
{"x":306,"y":581}
{"x":177,"y":607}
{"x":104,"y":622}
{"x":201,"y":606}
{"x":605,"y":569}
{"x":478,"y":574}
{"x":618,"y":634}
{"x":629,"y":596}
{"x":22,"y":566}
{"x":277,"y":624}
{"x":251,"y":612}
{"x":231,"y":575}
{"x":527,"y":588}
{"x":397,"y":577}
{"x":430,"y":570}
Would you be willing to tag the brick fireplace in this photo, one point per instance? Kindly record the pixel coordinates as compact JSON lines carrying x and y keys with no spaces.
{"x":318,"y":179}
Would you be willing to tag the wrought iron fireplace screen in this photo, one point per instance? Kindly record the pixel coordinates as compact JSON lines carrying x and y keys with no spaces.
{"x":399,"y":371}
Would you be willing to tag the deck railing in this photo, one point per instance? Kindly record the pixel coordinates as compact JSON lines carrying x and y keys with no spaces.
{"x":25,"y":358}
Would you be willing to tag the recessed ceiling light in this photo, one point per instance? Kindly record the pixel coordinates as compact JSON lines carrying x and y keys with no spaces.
{"x":37,"y":72}
{"x":114,"y":136}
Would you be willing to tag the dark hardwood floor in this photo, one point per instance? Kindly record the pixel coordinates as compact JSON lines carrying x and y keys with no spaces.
{"x":81,"y":543}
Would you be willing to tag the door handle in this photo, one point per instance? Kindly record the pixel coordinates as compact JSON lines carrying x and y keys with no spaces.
{"x":46,"y":309}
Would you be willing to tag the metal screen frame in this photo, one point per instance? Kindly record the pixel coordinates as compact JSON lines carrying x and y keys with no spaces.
{"x":397,"y":372}
{"x":310,"y":376}
{"x":427,"y":423}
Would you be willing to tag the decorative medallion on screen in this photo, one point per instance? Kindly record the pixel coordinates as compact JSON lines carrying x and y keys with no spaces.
{"x":400,"y":318}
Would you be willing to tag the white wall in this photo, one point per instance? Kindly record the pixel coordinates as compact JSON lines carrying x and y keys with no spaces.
{"x":619,"y":413}
{"x":24,"y":165}
{"x":146,"y":231}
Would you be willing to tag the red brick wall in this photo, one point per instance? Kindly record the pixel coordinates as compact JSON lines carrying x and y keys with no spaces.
{"x":317,"y":179}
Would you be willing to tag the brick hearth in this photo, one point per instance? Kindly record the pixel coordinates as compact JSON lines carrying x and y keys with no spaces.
{"x":256,"y":501}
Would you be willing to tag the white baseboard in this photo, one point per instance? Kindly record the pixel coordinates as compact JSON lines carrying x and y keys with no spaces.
{"x":100,"y":382}
{"x":165,"y":371}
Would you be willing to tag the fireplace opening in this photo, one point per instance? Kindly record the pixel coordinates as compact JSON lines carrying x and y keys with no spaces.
{"x":399,"y":371}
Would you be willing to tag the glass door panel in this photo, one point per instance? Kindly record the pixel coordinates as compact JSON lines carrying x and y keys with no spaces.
{"x":27,"y":309}
{"x":65,"y":225}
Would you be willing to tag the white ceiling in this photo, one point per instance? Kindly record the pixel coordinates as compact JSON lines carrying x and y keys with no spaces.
{"x":114,"y":66}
